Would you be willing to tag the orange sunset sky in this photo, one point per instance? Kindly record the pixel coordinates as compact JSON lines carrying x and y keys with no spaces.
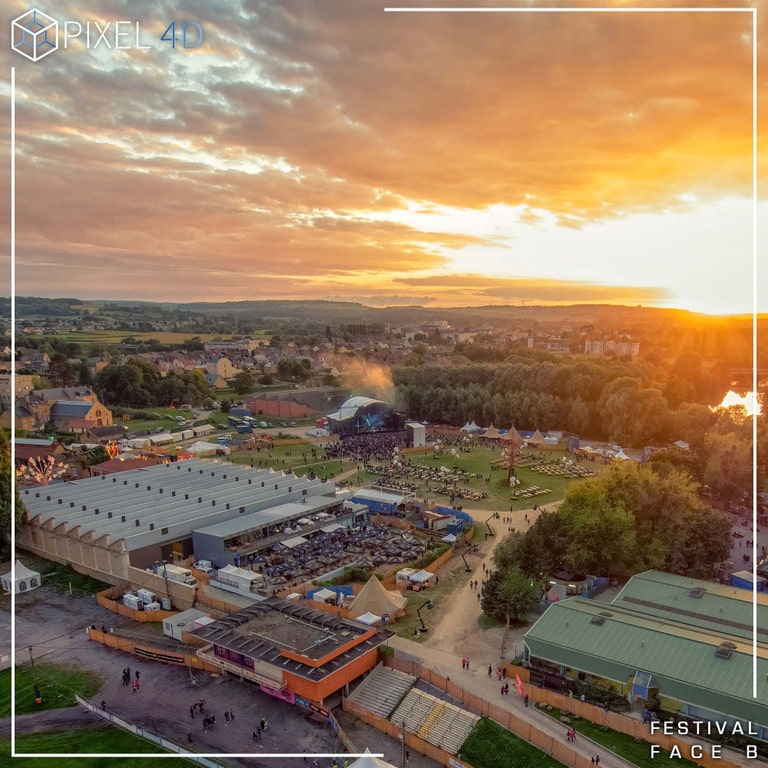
{"x":329,"y":149}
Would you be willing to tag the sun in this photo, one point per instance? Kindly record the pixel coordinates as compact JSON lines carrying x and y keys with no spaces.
{"x":748,"y":401}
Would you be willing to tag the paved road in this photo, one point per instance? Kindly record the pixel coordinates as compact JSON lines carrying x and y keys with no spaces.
{"x":53,"y":625}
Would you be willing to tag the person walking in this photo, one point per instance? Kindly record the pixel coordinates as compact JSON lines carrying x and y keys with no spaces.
{"x":526,"y":699}
{"x":490,"y":670}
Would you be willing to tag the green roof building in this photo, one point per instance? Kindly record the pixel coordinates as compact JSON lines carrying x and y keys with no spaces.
{"x":690,"y":639}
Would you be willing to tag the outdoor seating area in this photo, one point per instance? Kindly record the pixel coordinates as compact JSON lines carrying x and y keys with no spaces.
{"x":371,"y":545}
{"x":562,"y":470}
{"x":530,"y":492}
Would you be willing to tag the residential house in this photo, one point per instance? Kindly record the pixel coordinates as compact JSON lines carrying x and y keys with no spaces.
{"x":79,"y":416}
{"x":28,"y":448}
{"x":39,"y":402}
{"x":221,"y":366}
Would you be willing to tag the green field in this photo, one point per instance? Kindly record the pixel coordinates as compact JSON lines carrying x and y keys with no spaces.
{"x":105,"y":739}
{"x":62,"y":578}
{"x":491,"y":746}
{"x":637,"y":752}
{"x":478,"y":461}
{"x":292,"y":455}
{"x":57,"y":685}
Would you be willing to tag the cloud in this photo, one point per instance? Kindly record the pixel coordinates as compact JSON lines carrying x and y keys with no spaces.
{"x":283,"y":152}
{"x":539,"y":290}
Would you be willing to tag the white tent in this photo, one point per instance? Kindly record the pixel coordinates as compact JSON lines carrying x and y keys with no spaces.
{"x":421,"y":577}
{"x":201,"y":447}
{"x":25,"y":579}
{"x":369,"y":618}
{"x":369,"y":761}
{"x":323,"y":594}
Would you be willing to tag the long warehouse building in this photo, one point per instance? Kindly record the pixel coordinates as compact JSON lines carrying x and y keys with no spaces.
{"x":104,"y":525}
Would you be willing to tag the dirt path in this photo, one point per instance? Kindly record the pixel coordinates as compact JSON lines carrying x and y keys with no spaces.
{"x":457,"y":628}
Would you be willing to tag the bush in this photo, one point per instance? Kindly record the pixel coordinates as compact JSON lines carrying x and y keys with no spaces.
{"x":429,"y":557}
{"x":350,"y":573}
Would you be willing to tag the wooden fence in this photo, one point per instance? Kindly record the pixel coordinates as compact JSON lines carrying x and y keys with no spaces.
{"x":178,"y":658}
{"x":105,"y":600}
{"x":552,"y":745}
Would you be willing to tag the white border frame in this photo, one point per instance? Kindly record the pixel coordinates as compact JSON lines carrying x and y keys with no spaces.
{"x":752,"y":11}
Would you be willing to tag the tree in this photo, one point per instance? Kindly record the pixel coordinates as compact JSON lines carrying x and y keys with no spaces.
{"x":672,"y":529}
{"x":243,"y":382}
{"x":537,"y":552}
{"x":601,"y":535}
{"x":727,"y":465}
{"x":510,"y":596}
{"x":61,"y":371}
{"x":85,"y":458}
{"x":85,"y":379}
{"x":6,"y":477}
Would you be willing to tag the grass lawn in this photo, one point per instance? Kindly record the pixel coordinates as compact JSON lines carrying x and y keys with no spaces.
{"x":291,"y":455}
{"x":637,"y":752}
{"x":107,"y":739}
{"x":479,"y":461}
{"x":62,"y":578}
{"x":57,"y":685}
{"x":491,"y":746}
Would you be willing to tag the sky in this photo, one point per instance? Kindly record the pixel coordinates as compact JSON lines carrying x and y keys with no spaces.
{"x":332,"y":150}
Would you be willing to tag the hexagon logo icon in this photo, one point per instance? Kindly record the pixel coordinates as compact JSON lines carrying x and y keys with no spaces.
{"x":34,"y":34}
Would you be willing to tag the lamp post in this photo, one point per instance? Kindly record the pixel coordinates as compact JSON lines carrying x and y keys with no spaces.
{"x":429,"y":607}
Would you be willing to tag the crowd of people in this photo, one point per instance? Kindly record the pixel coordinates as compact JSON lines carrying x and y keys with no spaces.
{"x":372,"y":446}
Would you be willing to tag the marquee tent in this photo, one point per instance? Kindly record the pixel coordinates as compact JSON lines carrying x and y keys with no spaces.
{"x":536,"y":439}
{"x":375,"y":598}
{"x":24,"y":580}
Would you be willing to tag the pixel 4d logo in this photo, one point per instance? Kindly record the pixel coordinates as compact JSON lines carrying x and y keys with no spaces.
{"x":34,"y":35}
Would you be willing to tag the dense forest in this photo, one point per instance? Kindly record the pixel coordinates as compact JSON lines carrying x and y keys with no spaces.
{"x":632,"y":402}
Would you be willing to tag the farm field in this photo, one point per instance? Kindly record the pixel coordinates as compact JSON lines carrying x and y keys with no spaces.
{"x":115,"y":337}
